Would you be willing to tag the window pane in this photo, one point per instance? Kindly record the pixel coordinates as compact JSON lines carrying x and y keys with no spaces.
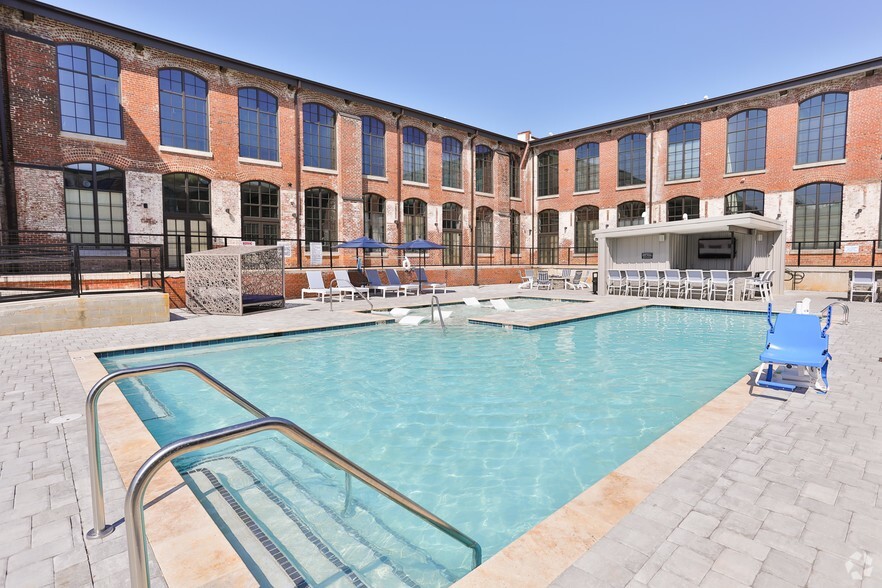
{"x":258,"y":120}
{"x":89,"y":90}
{"x":632,"y":160}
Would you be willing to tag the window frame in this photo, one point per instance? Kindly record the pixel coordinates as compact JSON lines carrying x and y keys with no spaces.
{"x":313,"y":139}
{"x":96,"y":233}
{"x":816,"y":243}
{"x":483,"y":164}
{"x":484,"y":230}
{"x":731,"y":208}
{"x":587,"y":168}
{"x":515,"y":232}
{"x":89,"y":49}
{"x":683,"y":150}
{"x":184,"y":110}
{"x":548,"y":241}
{"x":630,"y":206}
{"x":677,"y":206}
{"x":821,"y":128}
{"x":324,"y":218}
{"x":744,"y":152}
{"x":369,"y":216}
{"x":548,"y":173}
{"x":593,"y":224}
{"x":369,"y":146}
{"x":258,"y":124}
{"x":411,"y":220}
{"x":452,"y":254}
{"x":412,"y":154}
{"x":261,"y":220}
{"x":514,"y":177}
{"x":628,"y":155}
{"x":451,"y":163}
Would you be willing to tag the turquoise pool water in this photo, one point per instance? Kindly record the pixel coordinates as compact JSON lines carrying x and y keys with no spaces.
{"x":491,"y":429}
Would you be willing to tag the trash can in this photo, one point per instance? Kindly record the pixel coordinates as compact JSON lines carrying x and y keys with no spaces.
{"x":594,"y":278}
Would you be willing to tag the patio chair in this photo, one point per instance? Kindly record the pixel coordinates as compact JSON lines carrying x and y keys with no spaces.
{"x":435,"y":286}
{"x":720,"y":282}
{"x":392,"y":278}
{"x":694,"y":282}
{"x":373,"y":277}
{"x":526,"y":279}
{"x":474,"y":302}
{"x":344,"y":285}
{"x":614,"y":281}
{"x":673,"y":282}
{"x":316,"y":286}
{"x":566,"y":273}
{"x":633,"y":281}
{"x":574,"y":282}
{"x":500,"y":304}
{"x":863,"y":283}
{"x":652,"y":280}
{"x":796,"y":340}
{"x":543,"y":282}
{"x":758,"y":286}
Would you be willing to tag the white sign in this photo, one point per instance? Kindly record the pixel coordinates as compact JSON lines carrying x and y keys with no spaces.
{"x":286,"y":245}
{"x":249,"y":243}
{"x":315,"y":254}
{"x":852,"y":249}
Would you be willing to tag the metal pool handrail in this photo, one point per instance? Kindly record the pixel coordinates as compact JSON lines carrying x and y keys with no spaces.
{"x":134,"y":506}
{"x":842,"y":305}
{"x":436,"y":304}
{"x":331,"y":295}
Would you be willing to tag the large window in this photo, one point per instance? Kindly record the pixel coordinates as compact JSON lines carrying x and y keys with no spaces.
{"x":821,"y":135}
{"x":95,"y":204}
{"x":260,"y":213}
{"x":632,"y":160}
{"x":88,"y":83}
{"x":186,"y":204}
{"x":684,"y":152}
{"x":587,"y":221}
{"x":483,"y":169}
{"x":817,"y":216}
{"x":483,"y":231}
{"x":414,"y":219}
{"x":451,"y":163}
{"x":319,"y":136}
{"x":373,"y":147}
{"x":414,"y":155}
{"x":683,"y":206}
{"x":745,"y":201}
{"x":258,"y":125}
{"x":630,"y":213}
{"x":515,"y":236}
{"x":375,"y":217}
{"x":587,"y":167}
{"x":549,"y":236}
{"x":514,"y":177}
{"x":746,"y":142}
{"x":548,"y":173}
{"x":320,"y":208}
{"x":183,"y":110}
{"x":451,"y":233}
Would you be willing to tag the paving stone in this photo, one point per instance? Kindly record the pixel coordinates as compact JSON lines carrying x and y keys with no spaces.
{"x":700,"y":524}
{"x":687,"y":564}
{"x":787,"y":567}
{"x":738,"y":566}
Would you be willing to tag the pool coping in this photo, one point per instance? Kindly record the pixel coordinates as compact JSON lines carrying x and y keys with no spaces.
{"x":557,"y":541}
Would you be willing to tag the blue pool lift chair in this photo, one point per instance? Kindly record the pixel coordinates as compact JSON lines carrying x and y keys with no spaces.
{"x":796,"y":340}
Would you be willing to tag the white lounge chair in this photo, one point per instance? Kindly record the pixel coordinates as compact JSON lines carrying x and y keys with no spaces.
{"x":575,"y":282}
{"x":614,"y":281}
{"x":759,"y":286}
{"x":392,"y":278}
{"x":316,"y":286}
{"x":445,"y":314}
{"x":633,"y":281}
{"x":527,"y":279}
{"x":720,"y":282}
{"x":399,"y":312}
{"x":694,"y":282}
{"x":652,"y":280}
{"x":501,"y":305}
{"x":673,"y":282}
{"x":345,"y":286}
{"x":412,"y":320}
{"x":373,"y":277}
{"x":863,"y":283}
{"x":435,"y":286}
{"x":475,"y":303}
{"x":543,"y":282}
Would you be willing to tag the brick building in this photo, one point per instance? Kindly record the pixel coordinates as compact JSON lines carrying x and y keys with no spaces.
{"x":113,"y":137}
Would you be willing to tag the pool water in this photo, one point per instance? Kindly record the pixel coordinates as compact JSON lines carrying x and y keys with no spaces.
{"x":490,"y":429}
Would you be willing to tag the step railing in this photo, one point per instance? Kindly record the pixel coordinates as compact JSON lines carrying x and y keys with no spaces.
{"x":829,"y":311}
{"x":354,"y":291}
{"x":437,"y":304}
{"x":134,"y":504}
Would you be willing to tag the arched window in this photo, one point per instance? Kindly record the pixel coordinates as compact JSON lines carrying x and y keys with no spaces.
{"x":484,"y":230}
{"x":373,"y":147}
{"x":483,"y":169}
{"x":683,"y":205}
{"x":186,"y":204}
{"x":258,"y":125}
{"x":632,"y":160}
{"x":451,"y":233}
{"x":88,"y":84}
{"x":746,"y":141}
{"x":548,"y":178}
{"x":375,"y":217}
{"x":514,"y":177}
{"x":414,"y":219}
{"x":183,"y":110}
{"x":549,"y":236}
{"x":684,"y":152}
{"x":817,"y":215}
{"x":319,"y":136}
{"x":515,"y":236}
{"x":320,"y":214}
{"x":414,"y":155}
{"x":95,"y":204}
{"x":587,"y":167}
{"x":451,"y":163}
{"x":260,"y":213}
{"x":630,"y":213}
{"x":587,"y":221}
{"x":821,"y":134}
{"x":745,"y":201}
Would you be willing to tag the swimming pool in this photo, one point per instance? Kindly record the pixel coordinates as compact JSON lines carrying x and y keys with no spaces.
{"x":491,"y":429}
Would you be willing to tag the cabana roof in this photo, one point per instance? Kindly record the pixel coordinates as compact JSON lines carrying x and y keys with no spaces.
{"x":733,"y":223}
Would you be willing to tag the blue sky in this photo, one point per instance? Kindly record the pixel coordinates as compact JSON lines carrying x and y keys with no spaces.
{"x":511,"y":66}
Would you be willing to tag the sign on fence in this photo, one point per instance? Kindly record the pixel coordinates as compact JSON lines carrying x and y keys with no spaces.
{"x":852,"y":249}
{"x":315,"y":254}
{"x":249,"y":243}
{"x":286,"y":246}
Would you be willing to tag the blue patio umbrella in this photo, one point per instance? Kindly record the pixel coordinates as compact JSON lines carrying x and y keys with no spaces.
{"x":362,"y":243}
{"x":422,"y":246}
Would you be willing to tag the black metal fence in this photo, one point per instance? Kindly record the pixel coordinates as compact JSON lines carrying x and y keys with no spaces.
{"x":841,"y":253}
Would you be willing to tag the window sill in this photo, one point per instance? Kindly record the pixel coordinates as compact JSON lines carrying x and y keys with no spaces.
{"x":487,"y":255}
{"x":320,"y":170}
{"x":184,"y":151}
{"x":584,"y":192}
{"x":636,"y":187}
{"x":265,"y":162}
{"x":375,"y":178}
{"x":484,"y":194}
{"x":417,"y":184}
{"x":94,"y":138}
{"x":549,"y":197}
{"x":820,"y":164}
{"x":752,"y":172}
{"x":516,"y":199}
{"x":686,"y":181}
{"x":449,"y":189}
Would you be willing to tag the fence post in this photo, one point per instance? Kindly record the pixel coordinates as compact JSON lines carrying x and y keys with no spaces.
{"x":873,"y":258}
{"x":835,"y":244}
{"x":76,"y":276}
{"x":798,"y":253}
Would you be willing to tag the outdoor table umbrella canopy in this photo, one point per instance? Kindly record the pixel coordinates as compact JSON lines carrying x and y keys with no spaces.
{"x":362,"y":243}
{"x":422,"y":246}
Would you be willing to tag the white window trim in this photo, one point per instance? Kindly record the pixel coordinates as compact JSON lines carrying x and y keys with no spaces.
{"x":320,"y":170}
{"x":87,"y":137}
{"x":820,"y":164}
{"x":184,"y":151}
{"x":265,"y":162}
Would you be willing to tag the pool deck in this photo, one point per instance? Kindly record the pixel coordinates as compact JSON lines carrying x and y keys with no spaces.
{"x":785,"y":492}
